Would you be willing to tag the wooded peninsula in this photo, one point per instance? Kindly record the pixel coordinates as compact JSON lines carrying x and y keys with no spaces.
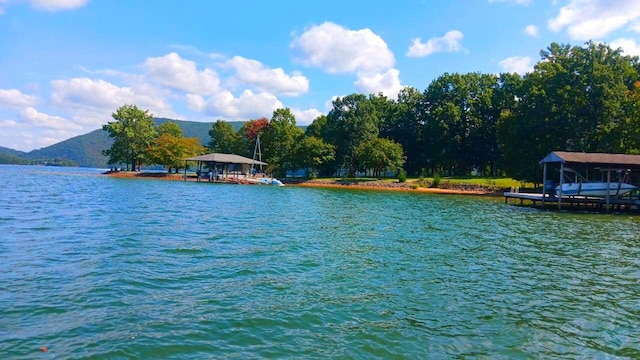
{"x":577,"y":98}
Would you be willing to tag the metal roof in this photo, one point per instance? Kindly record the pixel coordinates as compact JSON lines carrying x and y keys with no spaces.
{"x":593,"y":159}
{"x":225,"y":159}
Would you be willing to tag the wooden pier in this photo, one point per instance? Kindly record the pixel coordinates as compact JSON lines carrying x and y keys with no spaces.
{"x":629,"y":203}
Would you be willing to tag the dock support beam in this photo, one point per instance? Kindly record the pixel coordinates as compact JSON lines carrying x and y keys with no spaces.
{"x":608,"y":188}
{"x":544,"y":182}
{"x":561,"y":182}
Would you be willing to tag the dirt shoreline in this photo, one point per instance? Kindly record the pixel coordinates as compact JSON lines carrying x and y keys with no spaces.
{"x":319,"y":183}
{"x":385,"y":187}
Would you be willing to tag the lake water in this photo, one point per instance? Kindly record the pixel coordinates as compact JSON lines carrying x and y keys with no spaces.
{"x":93,"y":266}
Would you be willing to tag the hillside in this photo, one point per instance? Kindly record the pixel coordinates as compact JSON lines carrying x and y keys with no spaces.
{"x":86,"y":150}
{"x":7,"y":151}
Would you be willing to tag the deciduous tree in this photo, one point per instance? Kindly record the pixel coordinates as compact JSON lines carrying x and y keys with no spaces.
{"x":223,"y":138}
{"x":132,"y":132}
{"x":279,"y":139}
{"x":312,"y":151}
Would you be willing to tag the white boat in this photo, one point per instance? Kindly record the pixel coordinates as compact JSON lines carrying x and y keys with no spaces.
{"x":270,"y":181}
{"x":577,"y":185}
{"x":596,"y":189}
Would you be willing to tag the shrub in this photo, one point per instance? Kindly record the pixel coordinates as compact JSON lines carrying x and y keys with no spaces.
{"x":436,"y":181}
{"x":402,"y":176}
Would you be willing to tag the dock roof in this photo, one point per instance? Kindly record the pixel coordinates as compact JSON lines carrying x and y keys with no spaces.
{"x":225,"y":159}
{"x":593,"y":159}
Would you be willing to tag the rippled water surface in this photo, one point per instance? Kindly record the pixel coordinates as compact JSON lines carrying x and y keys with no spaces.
{"x":92,"y":266}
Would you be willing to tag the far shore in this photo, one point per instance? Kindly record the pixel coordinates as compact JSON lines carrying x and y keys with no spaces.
{"x":327,"y":184}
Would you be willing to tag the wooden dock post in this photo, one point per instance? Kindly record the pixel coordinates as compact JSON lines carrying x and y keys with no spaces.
{"x":561,"y":182}
{"x":608,"y":188}
{"x":544,"y":183}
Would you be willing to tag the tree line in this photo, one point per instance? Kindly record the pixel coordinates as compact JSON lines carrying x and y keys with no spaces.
{"x":137,"y":141}
{"x":577,"y":98}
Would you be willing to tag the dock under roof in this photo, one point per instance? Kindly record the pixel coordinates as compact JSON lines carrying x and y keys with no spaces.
{"x":601,"y":160}
{"x":220,"y":158}
{"x":227,"y":161}
{"x":607,"y":163}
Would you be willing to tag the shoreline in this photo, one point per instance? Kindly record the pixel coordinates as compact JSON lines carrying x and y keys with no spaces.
{"x":322,"y":184}
{"x":382,"y":187}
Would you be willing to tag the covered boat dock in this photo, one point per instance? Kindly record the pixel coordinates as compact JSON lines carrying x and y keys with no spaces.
{"x":608,"y":165}
{"x":223,"y":167}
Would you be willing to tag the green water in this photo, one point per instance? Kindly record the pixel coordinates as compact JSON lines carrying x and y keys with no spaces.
{"x":97,"y":267}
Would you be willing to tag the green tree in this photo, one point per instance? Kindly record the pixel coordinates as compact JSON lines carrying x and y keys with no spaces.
{"x":132,"y":133}
{"x":317,"y":127}
{"x":352,"y":121}
{"x":628,"y":131}
{"x":279,"y":139}
{"x":380,"y":154}
{"x":170,"y":128}
{"x":312,"y":151}
{"x":461,"y":121}
{"x":223,"y":138}
{"x":405,"y":125}
{"x":170,"y":151}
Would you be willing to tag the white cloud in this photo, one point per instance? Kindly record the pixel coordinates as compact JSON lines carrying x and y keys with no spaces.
{"x":388,"y":83}
{"x":450,"y":42}
{"x":256,"y":75}
{"x":93,"y":101}
{"x":336,"y":49}
{"x":177,"y":73}
{"x":24,"y":137}
{"x":43,"y":120}
{"x":8,"y":124}
{"x":15,"y":98}
{"x":517,"y":2}
{"x":628,"y":46}
{"x":517,"y":64}
{"x":225,"y":104}
{"x":33,"y":129}
{"x":595,"y":19}
{"x":58,"y":5}
{"x":531,"y":30}
{"x":305,"y":117}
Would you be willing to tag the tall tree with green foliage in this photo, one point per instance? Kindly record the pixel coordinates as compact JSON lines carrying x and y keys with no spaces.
{"x":380,"y":154}
{"x":170,"y":128}
{"x":312,"y":151}
{"x":279,"y":139}
{"x":317,"y":127}
{"x":352,"y":121}
{"x":628,"y":131}
{"x":132,"y":133}
{"x":223,"y":138}
{"x":405,"y":125}
{"x":461,"y":121}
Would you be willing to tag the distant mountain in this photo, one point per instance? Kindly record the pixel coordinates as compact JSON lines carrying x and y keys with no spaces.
{"x":86,"y":150}
{"x":18,"y":153}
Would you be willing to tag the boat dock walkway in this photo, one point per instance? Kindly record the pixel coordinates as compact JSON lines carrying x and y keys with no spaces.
{"x":629,"y":203}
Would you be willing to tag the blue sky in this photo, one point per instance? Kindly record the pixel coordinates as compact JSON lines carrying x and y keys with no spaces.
{"x":66,"y":65}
